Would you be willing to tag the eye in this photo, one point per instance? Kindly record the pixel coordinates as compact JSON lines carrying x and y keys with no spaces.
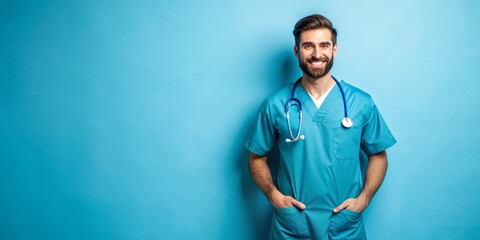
{"x":307,"y":47}
{"x":325,"y":45}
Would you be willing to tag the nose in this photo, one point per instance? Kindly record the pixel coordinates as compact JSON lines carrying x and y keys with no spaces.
{"x":316,"y":52}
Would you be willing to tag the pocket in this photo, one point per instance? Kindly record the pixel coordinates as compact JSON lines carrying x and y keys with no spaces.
{"x":347,"y":225}
{"x":290,"y":222}
{"x":346,"y":143}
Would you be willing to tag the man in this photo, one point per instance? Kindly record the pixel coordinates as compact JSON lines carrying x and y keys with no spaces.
{"x":319,"y":192}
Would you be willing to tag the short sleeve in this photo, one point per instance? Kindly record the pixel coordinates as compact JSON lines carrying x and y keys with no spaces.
{"x":263,"y":135}
{"x":376,"y":137}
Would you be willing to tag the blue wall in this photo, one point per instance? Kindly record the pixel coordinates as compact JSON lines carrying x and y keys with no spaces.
{"x":126,"y":119}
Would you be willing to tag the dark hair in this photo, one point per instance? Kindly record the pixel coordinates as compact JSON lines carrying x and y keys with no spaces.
{"x":315,"y":21}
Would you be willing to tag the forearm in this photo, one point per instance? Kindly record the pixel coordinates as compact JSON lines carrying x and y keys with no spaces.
{"x":263,"y":178}
{"x":376,"y":169}
{"x":261,"y":174}
{"x":374,"y":175}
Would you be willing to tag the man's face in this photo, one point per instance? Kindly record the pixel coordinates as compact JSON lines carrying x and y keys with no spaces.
{"x":316,"y":52}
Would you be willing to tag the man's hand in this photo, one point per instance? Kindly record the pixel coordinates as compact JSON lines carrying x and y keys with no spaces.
{"x":353,"y":204}
{"x":278,"y":200}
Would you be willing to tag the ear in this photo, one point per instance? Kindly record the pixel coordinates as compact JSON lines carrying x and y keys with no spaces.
{"x":335,"y":49}
{"x":295,"y":49}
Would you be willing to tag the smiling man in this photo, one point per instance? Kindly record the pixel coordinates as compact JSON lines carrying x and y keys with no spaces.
{"x":321,"y":126}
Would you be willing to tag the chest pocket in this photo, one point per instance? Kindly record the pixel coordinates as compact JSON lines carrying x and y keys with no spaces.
{"x":346,"y":142}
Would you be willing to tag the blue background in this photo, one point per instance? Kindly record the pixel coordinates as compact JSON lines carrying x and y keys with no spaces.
{"x":126,"y":119}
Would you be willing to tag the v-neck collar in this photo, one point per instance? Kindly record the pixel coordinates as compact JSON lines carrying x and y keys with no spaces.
{"x":318,"y":114}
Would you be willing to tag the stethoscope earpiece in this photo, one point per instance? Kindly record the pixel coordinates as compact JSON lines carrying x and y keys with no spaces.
{"x":346,"y":121}
{"x":302,"y":137}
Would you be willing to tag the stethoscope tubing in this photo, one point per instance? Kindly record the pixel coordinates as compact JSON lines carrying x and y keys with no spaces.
{"x":346,"y":121}
{"x":343,"y":97}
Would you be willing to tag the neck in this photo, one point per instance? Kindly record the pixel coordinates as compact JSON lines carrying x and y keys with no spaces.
{"x":317,"y":86}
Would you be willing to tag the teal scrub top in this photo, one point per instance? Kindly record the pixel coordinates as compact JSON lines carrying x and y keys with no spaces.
{"x":322,"y":170}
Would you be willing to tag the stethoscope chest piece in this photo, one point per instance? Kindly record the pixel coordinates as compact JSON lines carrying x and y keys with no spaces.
{"x":347,"y":122}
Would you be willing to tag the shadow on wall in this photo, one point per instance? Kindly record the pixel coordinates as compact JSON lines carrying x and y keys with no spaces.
{"x":283,"y":70}
{"x":280,"y":72}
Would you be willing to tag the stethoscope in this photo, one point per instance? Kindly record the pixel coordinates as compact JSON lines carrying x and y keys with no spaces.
{"x":346,"y":121}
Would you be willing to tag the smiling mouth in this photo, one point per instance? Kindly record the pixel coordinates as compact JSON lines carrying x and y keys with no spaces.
{"x":318,"y":63}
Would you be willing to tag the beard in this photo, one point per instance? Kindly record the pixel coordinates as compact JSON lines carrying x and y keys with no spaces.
{"x":316,"y":73}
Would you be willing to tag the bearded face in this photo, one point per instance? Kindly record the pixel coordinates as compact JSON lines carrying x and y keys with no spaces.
{"x":316,"y":52}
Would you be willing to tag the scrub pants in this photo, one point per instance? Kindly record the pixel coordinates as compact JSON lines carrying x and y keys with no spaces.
{"x":292,"y":223}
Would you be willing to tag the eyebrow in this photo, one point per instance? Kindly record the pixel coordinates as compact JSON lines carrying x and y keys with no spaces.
{"x":307,"y":43}
{"x":321,"y":43}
